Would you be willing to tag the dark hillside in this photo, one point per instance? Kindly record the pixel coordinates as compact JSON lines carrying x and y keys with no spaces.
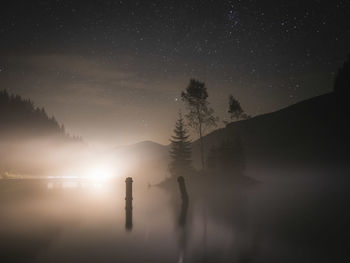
{"x":309,"y":132}
{"x":20,"y":118}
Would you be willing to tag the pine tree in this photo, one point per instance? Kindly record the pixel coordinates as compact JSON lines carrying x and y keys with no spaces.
{"x":180,"y":152}
{"x":235,"y":109}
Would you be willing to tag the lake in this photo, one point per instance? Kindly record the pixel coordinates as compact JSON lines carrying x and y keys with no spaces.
{"x":303,"y":219}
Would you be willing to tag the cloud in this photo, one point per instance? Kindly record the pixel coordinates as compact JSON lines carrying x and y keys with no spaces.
{"x":92,"y":96}
{"x":70,"y":77}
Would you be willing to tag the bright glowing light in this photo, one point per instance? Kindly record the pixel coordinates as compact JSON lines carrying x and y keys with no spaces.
{"x":99,"y":172}
{"x":93,"y":168}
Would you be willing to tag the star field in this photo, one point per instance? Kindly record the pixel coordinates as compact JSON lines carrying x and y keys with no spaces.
{"x":115,"y":62}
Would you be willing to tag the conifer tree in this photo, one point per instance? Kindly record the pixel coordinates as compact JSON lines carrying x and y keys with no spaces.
{"x":235,"y":109}
{"x":180,"y":152}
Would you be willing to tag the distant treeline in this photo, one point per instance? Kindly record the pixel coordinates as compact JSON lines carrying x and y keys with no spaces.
{"x":19,"y":116}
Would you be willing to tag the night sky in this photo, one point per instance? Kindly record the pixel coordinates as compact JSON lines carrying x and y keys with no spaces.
{"x":112,"y":71}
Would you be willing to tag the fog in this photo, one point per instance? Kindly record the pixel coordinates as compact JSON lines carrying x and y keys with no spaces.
{"x":286,"y":215}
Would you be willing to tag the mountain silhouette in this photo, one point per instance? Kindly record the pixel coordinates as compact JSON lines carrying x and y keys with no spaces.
{"x":310,"y":132}
{"x":145,"y":160}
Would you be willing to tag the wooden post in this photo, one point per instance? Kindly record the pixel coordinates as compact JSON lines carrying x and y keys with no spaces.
{"x":128,"y":203}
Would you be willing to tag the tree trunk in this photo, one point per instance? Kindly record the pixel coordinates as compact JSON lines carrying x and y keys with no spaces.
{"x":201,"y":144}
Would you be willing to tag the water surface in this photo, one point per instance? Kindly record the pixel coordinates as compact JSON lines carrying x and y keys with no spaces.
{"x":83,"y":221}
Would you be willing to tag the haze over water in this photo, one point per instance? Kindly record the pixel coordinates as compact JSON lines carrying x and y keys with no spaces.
{"x":82,"y":221}
{"x":174,"y":131}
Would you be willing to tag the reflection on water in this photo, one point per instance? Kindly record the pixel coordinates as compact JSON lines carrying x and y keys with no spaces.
{"x":182,"y":230}
{"x":128,"y":219}
{"x":183,"y":214}
{"x":66,"y":221}
{"x":74,"y":184}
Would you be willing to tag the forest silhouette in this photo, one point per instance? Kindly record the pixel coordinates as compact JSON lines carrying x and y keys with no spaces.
{"x":20,"y":117}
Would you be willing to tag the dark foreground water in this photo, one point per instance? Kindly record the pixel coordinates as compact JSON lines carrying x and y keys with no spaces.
{"x":299,"y":220}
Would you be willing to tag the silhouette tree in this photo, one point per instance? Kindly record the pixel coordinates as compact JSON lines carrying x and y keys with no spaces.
{"x":20,"y":116}
{"x":180,"y":152}
{"x":235,"y":109}
{"x":200,"y":115}
{"x":342,"y":86}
